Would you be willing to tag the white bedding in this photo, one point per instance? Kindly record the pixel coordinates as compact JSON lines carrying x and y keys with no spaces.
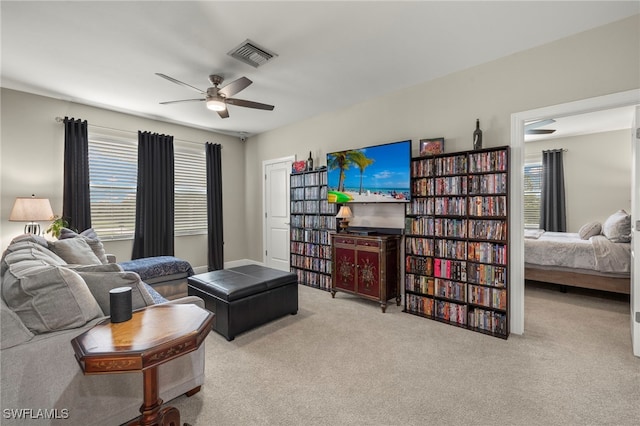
{"x":568,"y":250}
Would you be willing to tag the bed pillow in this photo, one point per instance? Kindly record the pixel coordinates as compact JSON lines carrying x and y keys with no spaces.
{"x":590,"y":229}
{"x":617,"y":227}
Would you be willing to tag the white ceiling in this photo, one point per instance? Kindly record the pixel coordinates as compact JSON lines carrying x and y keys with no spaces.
{"x":583,"y":124}
{"x":330,"y":54}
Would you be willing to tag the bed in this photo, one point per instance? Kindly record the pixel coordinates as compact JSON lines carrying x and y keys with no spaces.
{"x":597,"y":257}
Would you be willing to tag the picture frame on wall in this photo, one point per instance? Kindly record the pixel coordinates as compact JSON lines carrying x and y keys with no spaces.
{"x":431,"y":146}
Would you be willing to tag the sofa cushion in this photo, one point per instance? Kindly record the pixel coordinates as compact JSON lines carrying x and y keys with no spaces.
{"x":27,"y":250}
{"x":13,"y":331}
{"x":90,"y":236}
{"x":31,"y":238}
{"x":48,"y":298}
{"x":107,"y":267}
{"x":617,"y":227}
{"x":75,"y":250}
{"x":100,"y":283}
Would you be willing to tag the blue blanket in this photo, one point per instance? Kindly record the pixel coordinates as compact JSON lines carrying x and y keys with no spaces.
{"x":158,"y":266}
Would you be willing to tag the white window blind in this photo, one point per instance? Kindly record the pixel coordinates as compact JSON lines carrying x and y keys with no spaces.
{"x":532,"y":192}
{"x":190,"y":189}
{"x":113,"y":169}
{"x":113,"y":174}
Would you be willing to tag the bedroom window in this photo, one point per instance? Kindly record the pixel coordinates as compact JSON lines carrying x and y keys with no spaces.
{"x":113,"y":175}
{"x":532,"y":190}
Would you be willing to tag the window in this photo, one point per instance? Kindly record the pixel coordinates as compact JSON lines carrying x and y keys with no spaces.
{"x":113,"y":176}
{"x":532,"y":190}
{"x":190,"y":189}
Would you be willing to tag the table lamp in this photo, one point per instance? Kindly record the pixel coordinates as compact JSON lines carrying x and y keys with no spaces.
{"x":344,"y":214}
{"x":31,"y":209}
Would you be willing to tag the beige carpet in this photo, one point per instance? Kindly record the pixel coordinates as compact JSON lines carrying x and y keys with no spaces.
{"x":343,"y":362}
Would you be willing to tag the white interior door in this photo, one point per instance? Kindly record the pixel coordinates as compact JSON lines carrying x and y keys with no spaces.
{"x":635,"y":237}
{"x":276,"y":212}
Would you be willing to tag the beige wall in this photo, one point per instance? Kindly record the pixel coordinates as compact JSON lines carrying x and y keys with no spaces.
{"x":597,"y":172}
{"x":31,"y":158}
{"x":598,"y":62}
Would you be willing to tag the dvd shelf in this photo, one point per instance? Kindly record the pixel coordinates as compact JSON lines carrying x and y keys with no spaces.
{"x":457,"y":240}
{"x":313,"y":219}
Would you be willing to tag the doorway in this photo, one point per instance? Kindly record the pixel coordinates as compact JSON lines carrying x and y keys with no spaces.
{"x":276,"y":209}
{"x":516,"y":218}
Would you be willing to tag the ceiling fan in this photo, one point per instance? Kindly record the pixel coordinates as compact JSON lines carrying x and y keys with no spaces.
{"x":533,"y":128}
{"x":216,"y":97}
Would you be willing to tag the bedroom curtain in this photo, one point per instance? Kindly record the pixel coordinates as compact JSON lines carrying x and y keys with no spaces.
{"x":76,"y":198}
{"x":214,"y":206}
{"x":154,"y":225}
{"x":552,"y":200}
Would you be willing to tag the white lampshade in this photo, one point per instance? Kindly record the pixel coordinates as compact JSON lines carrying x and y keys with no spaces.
{"x":344,"y":213}
{"x":216,"y":105}
{"x":31,"y":209}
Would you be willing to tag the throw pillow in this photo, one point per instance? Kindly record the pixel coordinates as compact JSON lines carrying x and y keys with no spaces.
{"x":74,"y":250}
{"x":100,"y":283}
{"x":589,"y":230}
{"x":90,"y":236}
{"x":70,"y":233}
{"x":49,"y":298}
{"x":617,"y":227}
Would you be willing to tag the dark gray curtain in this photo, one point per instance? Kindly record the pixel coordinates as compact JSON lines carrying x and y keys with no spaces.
{"x":214,"y":206}
{"x":76,"y":199}
{"x":154,"y":232}
{"x":552,"y":203}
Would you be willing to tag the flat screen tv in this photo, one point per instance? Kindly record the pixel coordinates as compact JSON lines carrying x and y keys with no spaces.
{"x":375,"y":174}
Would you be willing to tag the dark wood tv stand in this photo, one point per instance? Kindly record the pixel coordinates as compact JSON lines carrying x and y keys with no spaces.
{"x":366,"y":266}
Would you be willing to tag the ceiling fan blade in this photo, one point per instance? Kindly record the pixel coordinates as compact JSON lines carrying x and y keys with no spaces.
{"x":540,"y":123}
{"x":538,"y":131}
{"x":173,"y":80}
{"x":235,"y":87}
{"x":249,"y":104}
{"x":182,"y":100}
{"x":224,"y":113}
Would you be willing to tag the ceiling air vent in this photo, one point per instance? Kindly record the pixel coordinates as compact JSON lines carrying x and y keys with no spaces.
{"x":252,"y":54}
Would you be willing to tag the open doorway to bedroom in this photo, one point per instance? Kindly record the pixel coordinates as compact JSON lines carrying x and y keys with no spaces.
{"x":519,"y":120}
{"x":575,"y":277}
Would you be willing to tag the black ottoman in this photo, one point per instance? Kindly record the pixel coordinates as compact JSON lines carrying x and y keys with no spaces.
{"x":246,"y":296}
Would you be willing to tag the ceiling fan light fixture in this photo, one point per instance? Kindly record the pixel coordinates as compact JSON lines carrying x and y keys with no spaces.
{"x":216,"y":105}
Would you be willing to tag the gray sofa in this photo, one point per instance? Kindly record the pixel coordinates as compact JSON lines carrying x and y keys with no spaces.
{"x":50,"y":294}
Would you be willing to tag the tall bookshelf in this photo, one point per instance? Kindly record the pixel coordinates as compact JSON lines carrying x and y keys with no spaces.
{"x":457,"y":240}
{"x":313,"y":219}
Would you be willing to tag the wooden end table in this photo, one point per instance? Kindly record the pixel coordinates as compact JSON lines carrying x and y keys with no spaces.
{"x":153,"y":336}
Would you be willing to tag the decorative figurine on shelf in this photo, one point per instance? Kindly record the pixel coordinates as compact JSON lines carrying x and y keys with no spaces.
{"x":477,"y":136}
{"x":310,"y":162}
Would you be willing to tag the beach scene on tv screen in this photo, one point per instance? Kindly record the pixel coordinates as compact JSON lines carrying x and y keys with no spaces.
{"x":370,"y":175}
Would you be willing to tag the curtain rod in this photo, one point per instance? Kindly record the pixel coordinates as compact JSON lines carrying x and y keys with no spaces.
{"x":61,"y":120}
